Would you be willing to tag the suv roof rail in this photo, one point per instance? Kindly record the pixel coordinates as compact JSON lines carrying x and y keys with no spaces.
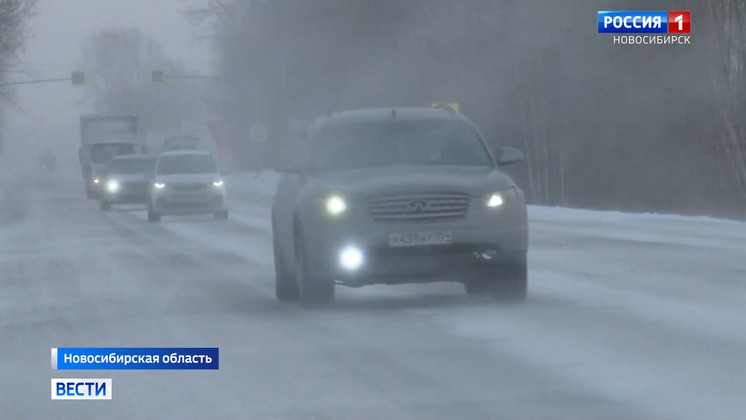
{"x":446,"y":107}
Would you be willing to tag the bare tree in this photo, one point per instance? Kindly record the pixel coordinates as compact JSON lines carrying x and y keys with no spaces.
{"x":13,"y":34}
{"x":602,"y":125}
{"x":726,"y":69}
{"x":120,"y":62}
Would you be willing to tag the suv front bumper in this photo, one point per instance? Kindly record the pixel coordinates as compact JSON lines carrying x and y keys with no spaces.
{"x":483,"y":239}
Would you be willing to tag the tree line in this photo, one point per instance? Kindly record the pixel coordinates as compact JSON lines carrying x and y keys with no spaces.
{"x":629,"y":127}
{"x":13,"y":33}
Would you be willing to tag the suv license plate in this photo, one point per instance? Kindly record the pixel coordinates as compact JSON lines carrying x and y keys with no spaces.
{"x":442,"y":237}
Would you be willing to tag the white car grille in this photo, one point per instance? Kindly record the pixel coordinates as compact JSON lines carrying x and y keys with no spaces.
{"x":419,"y":207}
{"x":194,"y":186}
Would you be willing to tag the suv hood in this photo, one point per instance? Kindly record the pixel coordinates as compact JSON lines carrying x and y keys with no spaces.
{"x":407,"y":179}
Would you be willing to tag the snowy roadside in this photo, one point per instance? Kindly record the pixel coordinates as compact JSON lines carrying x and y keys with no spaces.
{"x":12,"y":208}
{"x":262,"y":185}
{"x":244,"y":185}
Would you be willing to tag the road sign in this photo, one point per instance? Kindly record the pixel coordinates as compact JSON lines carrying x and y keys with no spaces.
{"x":157,"y":76}
{"x":452,"y":105}
{"x":77,"y":77}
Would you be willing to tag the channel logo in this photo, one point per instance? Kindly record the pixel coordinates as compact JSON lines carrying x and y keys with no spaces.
{"x":81,"y":389}
{"x":644,"y":22}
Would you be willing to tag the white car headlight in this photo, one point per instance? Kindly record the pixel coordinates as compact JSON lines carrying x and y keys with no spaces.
{"x":335,"y":205}
{"x":218,"y":183}
{"x":96,"y":181}
{"x":159,"y":185}
{"x":112,"y":186}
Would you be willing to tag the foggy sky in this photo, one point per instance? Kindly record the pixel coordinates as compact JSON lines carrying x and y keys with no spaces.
{"x":54,"y":50}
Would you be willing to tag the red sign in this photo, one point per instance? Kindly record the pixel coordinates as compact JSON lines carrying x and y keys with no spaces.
{"x":218,"y":131}
{"x":679,"y":22}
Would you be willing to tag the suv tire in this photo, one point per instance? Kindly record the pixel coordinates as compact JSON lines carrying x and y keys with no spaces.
{"x":314,"y":289}
{"x":507,"y":282}
{"x":285,"y":288}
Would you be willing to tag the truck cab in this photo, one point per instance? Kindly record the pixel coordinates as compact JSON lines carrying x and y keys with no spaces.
{"x":104,"y":137}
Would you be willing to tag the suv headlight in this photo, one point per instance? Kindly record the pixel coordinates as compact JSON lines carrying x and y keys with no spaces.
{"x":218,"y":183}
{"x":497,"y":199}
{"x":159,"y":185}
{"x":335,"y":205}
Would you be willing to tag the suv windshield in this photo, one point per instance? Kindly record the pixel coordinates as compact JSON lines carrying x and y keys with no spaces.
{"x":102,"y":153}
{"x":131,"y":166}
{"x":394,"y":143}
{"x":186,"y":164}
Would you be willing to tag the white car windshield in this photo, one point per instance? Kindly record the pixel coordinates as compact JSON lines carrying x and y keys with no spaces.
{"x":186,"y":164}
{"x":394,"y":143}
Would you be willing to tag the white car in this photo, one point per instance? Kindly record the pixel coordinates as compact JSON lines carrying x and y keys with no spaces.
{"x":187,"y":182}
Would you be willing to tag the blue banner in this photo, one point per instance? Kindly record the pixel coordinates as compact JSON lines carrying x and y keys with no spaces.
{"x":135,"y":358}
{"x":630,"y":21}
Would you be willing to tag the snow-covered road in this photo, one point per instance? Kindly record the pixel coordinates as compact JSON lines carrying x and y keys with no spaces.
{"x":629,"y":316}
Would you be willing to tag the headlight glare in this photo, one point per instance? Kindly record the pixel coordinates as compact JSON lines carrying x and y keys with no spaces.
{"x":159,"y":185}
{"x":499,"y":198}
{"x":495,"y":200}
{"x":351,"y":258}
{"x":112,"y":186}
{"x":335,"y":205}
{"x":218,"y":183}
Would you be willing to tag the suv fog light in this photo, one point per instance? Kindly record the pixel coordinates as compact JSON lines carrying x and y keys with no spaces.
{"x":351,"y":258}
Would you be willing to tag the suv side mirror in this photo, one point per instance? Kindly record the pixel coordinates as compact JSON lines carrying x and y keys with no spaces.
{"x":508,"y":156}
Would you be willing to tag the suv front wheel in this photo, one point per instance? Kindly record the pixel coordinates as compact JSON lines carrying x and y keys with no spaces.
{"x":507,"y":282}
{"x":314,"y":288}
{"x":285,"y":288}
{"x":153,"y":216}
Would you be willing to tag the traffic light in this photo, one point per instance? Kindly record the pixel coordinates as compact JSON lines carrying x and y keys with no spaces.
{"x":157,"y":76}
{"x":77,"y":77}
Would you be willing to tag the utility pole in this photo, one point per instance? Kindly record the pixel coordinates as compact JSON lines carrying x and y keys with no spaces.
{"x":33,"y":82}
{"x":158,"y":76}
{"x":76,"y":77}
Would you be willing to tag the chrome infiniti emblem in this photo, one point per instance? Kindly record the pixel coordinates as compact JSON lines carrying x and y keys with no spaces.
{"x":418,"y":205}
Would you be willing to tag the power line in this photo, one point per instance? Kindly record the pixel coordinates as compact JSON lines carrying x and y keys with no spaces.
{"x":33,"y":82}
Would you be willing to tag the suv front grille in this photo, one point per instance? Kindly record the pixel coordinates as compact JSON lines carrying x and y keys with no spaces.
{"x":190,"y":186}
{"x":419,"y":207}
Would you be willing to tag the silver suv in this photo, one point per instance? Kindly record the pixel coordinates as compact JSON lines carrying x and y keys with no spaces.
{"x":398,"y":196}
